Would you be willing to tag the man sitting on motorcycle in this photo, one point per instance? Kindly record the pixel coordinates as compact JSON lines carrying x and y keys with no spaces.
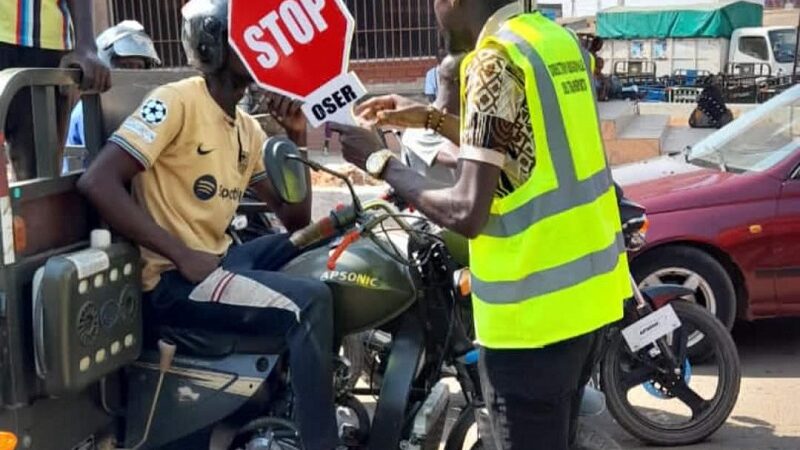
{"x":190,"y":154}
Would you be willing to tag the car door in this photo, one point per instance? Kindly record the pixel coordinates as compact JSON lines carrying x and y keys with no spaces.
{"x":786,"y":246}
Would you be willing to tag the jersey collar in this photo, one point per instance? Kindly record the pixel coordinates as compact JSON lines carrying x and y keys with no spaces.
{"x":228,"y":119}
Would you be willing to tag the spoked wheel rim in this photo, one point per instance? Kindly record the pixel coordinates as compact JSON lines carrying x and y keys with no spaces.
{"x":681,"y":276}
{"x":661,"y":383}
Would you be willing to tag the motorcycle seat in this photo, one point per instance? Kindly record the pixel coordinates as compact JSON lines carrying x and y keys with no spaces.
{"x":214,"y":344}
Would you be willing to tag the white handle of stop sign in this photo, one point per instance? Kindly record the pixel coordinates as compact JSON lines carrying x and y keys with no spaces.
{"x":334,"y":101}
{"x":302,"y":18}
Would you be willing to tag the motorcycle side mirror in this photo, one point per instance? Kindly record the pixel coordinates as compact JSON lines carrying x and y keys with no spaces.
{"x":287,"y":174}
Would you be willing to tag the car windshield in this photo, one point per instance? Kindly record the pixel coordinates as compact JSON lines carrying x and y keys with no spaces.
{"x":783,"y":45}
{"x":756,"y":141}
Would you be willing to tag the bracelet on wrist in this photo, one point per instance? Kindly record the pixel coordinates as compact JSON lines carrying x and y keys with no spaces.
{"x":429,"y":118}
{"x":435,"y":120}
{"x":438,"y":127}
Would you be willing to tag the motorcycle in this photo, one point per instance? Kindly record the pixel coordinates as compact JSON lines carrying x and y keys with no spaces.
{"x":172,"y":388}
{"x":658,"y":374}
{"x":658,"y":365}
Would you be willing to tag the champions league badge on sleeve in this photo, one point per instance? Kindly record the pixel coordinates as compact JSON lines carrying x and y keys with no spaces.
{"x":154,"y":112}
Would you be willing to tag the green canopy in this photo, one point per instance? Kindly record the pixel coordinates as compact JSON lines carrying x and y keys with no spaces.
{"x":693,"y":21}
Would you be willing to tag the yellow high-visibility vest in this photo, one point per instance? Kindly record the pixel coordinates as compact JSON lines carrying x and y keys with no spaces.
{"x":550,"y":264}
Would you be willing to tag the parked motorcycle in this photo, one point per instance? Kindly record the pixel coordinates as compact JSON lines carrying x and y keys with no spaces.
{"x":171,"y":388}
{"x":393,"y":274}
{"x":644,"y":368}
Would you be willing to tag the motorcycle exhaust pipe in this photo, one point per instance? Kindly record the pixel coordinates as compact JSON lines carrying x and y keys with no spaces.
{"x":166,"y":353}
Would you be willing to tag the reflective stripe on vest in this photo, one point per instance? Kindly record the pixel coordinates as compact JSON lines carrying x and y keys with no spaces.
{"x":570,"y":192}
{"x":551,"y":280}
{"x":550,"y":263}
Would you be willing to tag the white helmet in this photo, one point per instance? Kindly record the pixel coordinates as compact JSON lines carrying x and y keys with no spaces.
{"x":126,"y":39}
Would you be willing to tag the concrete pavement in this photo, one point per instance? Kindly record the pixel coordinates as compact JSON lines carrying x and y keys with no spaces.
{"x":767,"y":415}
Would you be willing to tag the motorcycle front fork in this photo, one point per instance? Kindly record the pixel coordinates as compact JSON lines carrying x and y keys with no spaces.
{"x":642,"y":305}
{"x":643,"y":308}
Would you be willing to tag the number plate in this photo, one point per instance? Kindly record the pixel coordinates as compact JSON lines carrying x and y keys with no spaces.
{"x":650,"y":328}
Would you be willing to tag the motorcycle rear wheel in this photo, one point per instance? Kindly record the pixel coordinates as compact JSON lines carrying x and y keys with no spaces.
{"x":622,"y":371}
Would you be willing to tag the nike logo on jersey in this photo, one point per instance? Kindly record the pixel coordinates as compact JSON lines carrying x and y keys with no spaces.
{"x":202,"y":152}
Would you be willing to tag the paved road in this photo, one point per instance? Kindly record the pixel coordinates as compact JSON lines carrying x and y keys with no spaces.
{"x":767,"y":415}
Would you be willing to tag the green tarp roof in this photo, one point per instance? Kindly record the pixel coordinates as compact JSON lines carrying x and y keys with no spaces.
{"x":709,"y":20}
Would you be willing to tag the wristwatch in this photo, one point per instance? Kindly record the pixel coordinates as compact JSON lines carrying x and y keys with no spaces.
{"x":376,"y":163}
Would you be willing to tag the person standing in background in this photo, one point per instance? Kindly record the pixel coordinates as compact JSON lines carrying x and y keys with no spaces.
{"x":432,"y":77}
{"x":36,"y":33}
{"x":123,"y":46}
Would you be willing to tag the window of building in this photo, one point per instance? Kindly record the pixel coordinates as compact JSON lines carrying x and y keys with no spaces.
{"x":161,"y":20}
{"x":390,"y":29}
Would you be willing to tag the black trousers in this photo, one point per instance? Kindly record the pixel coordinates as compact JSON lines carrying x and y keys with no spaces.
{"x":533,"y":395}
{"x":252,"y":297}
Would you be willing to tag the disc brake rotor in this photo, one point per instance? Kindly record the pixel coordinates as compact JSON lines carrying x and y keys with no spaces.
{"x":659,"y":391}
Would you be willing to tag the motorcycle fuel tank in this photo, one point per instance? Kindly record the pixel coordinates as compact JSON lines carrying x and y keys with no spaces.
{"x":369,"y":287}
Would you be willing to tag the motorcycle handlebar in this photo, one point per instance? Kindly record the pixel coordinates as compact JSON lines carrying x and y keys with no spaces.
{"x":392,"y":197}
{"x":325,"y":228}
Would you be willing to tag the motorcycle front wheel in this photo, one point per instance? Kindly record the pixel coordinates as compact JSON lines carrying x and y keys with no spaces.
{"x":669,"y":402}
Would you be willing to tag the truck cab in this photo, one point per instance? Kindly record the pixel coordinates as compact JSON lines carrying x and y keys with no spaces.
{"x":772,"y":46}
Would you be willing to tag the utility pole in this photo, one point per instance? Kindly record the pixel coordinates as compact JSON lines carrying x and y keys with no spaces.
{"x":796,"y":48}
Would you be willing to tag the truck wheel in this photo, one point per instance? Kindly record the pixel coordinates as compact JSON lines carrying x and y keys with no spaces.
{"x":694,"y":269}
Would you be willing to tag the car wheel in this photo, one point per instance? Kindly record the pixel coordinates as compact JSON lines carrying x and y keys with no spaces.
{"x":696,"y":270}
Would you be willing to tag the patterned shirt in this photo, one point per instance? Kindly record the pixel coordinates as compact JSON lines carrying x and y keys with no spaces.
{"x":497,"y":121}
{"x":44,"y":24}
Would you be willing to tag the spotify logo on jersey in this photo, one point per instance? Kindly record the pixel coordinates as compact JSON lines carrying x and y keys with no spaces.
{"x":205,"y":188}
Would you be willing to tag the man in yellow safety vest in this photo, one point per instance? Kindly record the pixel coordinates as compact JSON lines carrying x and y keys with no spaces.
{"x":534,"y":194}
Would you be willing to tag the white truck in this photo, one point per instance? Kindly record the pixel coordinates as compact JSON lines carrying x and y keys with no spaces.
{"x":753,"y":48}
{"x":717,"y":37}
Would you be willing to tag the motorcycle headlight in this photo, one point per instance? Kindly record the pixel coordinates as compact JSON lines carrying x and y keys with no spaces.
{"x":645,"y":227}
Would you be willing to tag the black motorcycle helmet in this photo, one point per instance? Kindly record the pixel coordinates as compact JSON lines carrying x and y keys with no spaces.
{"x":205,"y":34}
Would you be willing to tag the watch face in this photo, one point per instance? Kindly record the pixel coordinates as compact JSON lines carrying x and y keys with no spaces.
{"x":373,"y":163}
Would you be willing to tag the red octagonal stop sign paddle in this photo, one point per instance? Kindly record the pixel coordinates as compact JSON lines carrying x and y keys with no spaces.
{"x":299,"y":48}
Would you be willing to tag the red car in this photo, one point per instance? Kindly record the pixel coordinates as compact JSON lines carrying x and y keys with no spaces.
{"x":725,"y":215}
